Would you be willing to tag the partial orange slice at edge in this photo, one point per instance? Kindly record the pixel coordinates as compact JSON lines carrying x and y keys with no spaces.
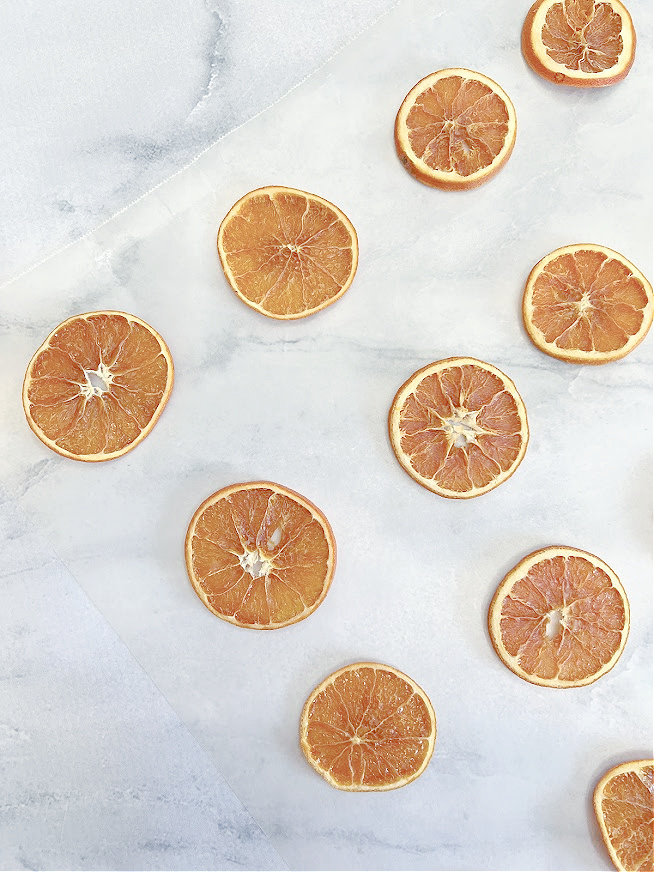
{"x":97,"y":385}
{"x":560,"y":618}
{"x":455,"y":129}
{"x":287,"y":253}
{"x":260,"y":555}
{"x":586,"y":303}
{"x":624,"y":806}
{"x":459,"y":427}
{"x":368,"y":727}
{"x":583,"y":43}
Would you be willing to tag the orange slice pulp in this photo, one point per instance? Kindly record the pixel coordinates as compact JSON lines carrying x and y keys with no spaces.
{"x":287,"y":253}
{"x":455,"y":129}
{"x":260,"y":555}
{"x":97,"y":385}
{"x":459,"y":427}
{"x":368,"y":727}
{"x":560,"y":618}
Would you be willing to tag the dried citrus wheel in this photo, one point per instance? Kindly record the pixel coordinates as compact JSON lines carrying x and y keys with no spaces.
{"x":624,"y":805}
{"x":459,"y":427}
{"x":287,"y":253}
{"x":260,"y":555}
{"x":368,"y":727}
{"x":560,"y":618}
{"x":97,"y":385}
{"x":587,"y":43}
{"x":587,"y":304}
{"x":455,"y":129}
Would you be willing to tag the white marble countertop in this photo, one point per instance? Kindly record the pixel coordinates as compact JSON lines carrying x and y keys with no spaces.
{"x":137,"y":730}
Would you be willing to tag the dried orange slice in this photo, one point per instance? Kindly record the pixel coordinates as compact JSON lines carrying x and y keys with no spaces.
{"x":260,"y":555}
{"x":459,"y":427}
{"x":586,"y":43}
{"x":624,"y":806}
{"x":455,"y":129}
{"x":560,"y":618}
{"x":97,"y":385}
{"x":587,"y":304}
{"x":368,"y":727}
{"x":287,"y":253}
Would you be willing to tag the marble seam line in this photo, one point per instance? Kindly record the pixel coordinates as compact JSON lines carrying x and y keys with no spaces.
{"x":211,"y":145}
{"x":210,"y":764}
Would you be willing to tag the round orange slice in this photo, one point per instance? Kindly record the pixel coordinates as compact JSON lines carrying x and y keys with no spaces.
{"x":287,"y":253}
{"x":624,"y":806}
{"x":459,"y":427}
{"x":97,"y":385}
{"x":560,"y":618}
{"x":585,"y":43}
{"x":260,"y":555}
{"x":455,"y":129}
{"x":368,"y":727}
{"x":587,"y":304}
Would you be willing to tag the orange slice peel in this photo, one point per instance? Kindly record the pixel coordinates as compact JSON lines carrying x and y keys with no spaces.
{"x":260,"y":555}
{"x":287,"y":253}
{"x":560,"y":618}
{"x":97,"y":385}
{"x":455,"y":129}
{"x":368,"y":727}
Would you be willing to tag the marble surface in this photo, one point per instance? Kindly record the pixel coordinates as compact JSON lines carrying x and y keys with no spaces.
{"x":305,"y":404}
{"x":102,"y":102}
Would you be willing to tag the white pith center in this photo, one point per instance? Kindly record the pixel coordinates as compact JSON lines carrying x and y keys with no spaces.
{"x":555,"y":624}
{"x":585,"y":303}
{"x":255,"y":563}
{"x":98,"y":381}
{"x":462,"y":428}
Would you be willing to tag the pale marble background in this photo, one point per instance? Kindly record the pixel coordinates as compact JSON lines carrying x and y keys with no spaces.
{"x":103,"y":101}
{"x":305,"y":404}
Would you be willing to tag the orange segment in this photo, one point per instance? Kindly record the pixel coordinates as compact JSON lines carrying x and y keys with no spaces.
{"x":97,"y":385}
{"x":624,"y":806}
{"x":455,"y":129}
{"x":287,"y":253}
{"x":560,"y":618}
{"x":368,"y":727}
{"x":459,"y":427}
{"x":587,"y":304}
{"x":260,"y":555}
{"x":586,"y":43}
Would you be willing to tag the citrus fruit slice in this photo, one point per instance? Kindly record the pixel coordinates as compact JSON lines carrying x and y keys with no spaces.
{"x":368,"y":727}
{"x":587,"y":304}
{"x":624,"y":806}
{"x":459,"y":427}
{"x":455,"y":129}
{"x":260,"y":555}
{"x":287,"y":253}
{"x":586,"y":43}
{"x":560,"y":618}
{"x":97,"y":385}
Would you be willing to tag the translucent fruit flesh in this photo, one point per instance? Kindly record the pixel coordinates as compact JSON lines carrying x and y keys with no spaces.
{"x":458,"y":125}
{"x":583,"y":35}
{"x":560,"y":621}
{"x":97,"y":385}
{"x":624,"y":805}
{"x":260,"y":556}
{"x":287,"y":253}
{"x":460,"y":428}
{"x":368,"y":727}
